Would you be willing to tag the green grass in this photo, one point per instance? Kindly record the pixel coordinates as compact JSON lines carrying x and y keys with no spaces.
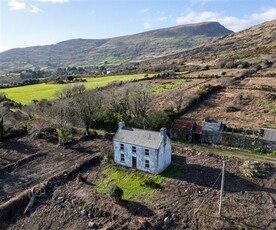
{"x":159,"y":88}
{"x":267,"y":104}
{"x":131,"y":181}
{"x":242,"y":153}
{"x":25,"y":94}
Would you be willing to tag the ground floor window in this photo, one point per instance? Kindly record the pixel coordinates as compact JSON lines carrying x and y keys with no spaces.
{"x":122,"y":157}
{"x":147,"y":164}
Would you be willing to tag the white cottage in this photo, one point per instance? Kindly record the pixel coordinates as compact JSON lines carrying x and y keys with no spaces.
{"x":145,"y":150}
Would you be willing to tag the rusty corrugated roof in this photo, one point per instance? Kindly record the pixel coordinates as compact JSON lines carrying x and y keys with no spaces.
{"x":185,"y":125}
{"x":198,"y":129}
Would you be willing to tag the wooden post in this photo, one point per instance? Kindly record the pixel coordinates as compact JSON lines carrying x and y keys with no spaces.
{"x":221,"y":188}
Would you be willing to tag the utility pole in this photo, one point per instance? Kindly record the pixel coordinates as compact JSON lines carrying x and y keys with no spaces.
{"x":221,"y":188}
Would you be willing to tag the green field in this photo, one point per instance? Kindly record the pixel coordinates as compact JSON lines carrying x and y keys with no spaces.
{"x":25,"y":94}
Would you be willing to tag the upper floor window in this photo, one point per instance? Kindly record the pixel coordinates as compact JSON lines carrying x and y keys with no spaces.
{"x":133,"y":149}
{"x":147,"y":152}
{"x":122,"y":147}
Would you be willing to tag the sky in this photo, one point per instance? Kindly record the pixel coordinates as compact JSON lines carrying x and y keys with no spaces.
{"x":26,"y":23}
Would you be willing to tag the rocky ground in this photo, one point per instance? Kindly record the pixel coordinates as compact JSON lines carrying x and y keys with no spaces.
{"x":187,"y":201}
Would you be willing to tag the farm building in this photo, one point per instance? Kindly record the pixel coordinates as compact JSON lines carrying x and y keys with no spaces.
{"x":268,"y":137}
{"x":211,"y":131}
{"x":185,"y":129}
{"x":145,"y":150}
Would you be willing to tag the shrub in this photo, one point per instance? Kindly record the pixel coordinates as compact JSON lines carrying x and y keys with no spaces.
{"x":258,"y":67}
{"x":158,"y":119}
{"x":3,"y":130}
{"x":3,"y":97}
{"x":116,"y":193}
{"x":259,"y":150}
{"x":64,"y":135}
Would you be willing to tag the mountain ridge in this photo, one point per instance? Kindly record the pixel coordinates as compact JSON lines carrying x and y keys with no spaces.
{"x":114,"y":51}
{"x":252,"y":43}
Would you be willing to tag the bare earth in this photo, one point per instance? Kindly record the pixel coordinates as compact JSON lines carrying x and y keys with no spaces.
{"x":190,"y":200}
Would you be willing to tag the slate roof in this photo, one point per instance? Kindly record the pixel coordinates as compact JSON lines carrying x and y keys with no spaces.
{"x":140,"y":137}
{"x":213,"y":126}
{"x":269,"y":134}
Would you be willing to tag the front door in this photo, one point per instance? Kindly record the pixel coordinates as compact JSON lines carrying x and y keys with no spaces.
{"x":134,"y":162}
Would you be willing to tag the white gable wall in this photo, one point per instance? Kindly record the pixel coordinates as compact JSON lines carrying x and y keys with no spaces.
{"x":164,"y":159}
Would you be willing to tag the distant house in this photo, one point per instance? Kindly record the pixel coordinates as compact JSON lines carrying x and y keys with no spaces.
{"x":211,"y":131}
{"x":145,"y":150}
{"x":268,"y":137}
{"x":185,"y":129}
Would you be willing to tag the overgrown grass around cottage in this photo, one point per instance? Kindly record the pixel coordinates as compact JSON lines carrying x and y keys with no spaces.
{"x":137,"y":185}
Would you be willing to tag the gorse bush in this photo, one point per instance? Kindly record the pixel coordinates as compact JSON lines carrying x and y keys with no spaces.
{"x":116,"y":193}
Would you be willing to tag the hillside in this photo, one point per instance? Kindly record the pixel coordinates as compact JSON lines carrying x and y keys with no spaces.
{"x":87,"y":52}
{"x":254,"y":44}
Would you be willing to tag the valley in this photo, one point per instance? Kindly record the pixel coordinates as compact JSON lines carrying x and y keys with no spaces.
{"x":56,"y":152}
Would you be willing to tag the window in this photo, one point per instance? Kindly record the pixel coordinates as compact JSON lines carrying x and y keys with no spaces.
{"x":147,"y":152}
{"x":122,"y":157}
{"x":147,"y":164}
{"x":133,"y":149}
{"x":122,"y":147}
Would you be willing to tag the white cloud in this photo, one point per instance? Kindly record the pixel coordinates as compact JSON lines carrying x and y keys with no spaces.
{"x":147,"y":25}
{"x":265,"y":15}
{"x":34,"y":9}
{"x":160,"y":19}
{"x":92,"y":12}
{"x":142,"y":11}
{"x":193,"y":17}
{"x":16,"y":5}
{"x":234,"y":23}
{"x":230,"y":22}
{"x":54,"y":1}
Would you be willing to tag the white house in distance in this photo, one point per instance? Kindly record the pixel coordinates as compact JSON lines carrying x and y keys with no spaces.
{"x":145,"y":150}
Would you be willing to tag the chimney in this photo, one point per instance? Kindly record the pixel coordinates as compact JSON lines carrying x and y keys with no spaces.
{"x":163,"y":132}
{"x":121,"y":125}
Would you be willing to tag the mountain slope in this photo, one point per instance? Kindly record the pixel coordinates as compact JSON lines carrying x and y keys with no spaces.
{"x":257,"y":42}
{"x":83,"y":52}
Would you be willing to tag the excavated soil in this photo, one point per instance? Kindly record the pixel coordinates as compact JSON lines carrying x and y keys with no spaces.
{"x":187,"y":201}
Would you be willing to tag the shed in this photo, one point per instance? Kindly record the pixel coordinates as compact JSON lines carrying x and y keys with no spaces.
{"x":185,"y":129}
{"x":268,"y":137}
{"x":211,"y":131}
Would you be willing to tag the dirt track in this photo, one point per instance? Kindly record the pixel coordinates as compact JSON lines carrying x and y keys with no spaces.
{"x":189,"y":200}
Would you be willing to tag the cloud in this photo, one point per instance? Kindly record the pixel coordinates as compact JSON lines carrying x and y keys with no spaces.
{"x":192,"y":17}
{"x":230,"y":22}
{"x":92,"y":12}
{"x":34,"y":9}
{"x":266,"y":15}
{"x":54,"y":1}
{"x":16,"y":5}
{"x":160,"y":19}
{"x":142,"y":11}
{"x":147,"y":25}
